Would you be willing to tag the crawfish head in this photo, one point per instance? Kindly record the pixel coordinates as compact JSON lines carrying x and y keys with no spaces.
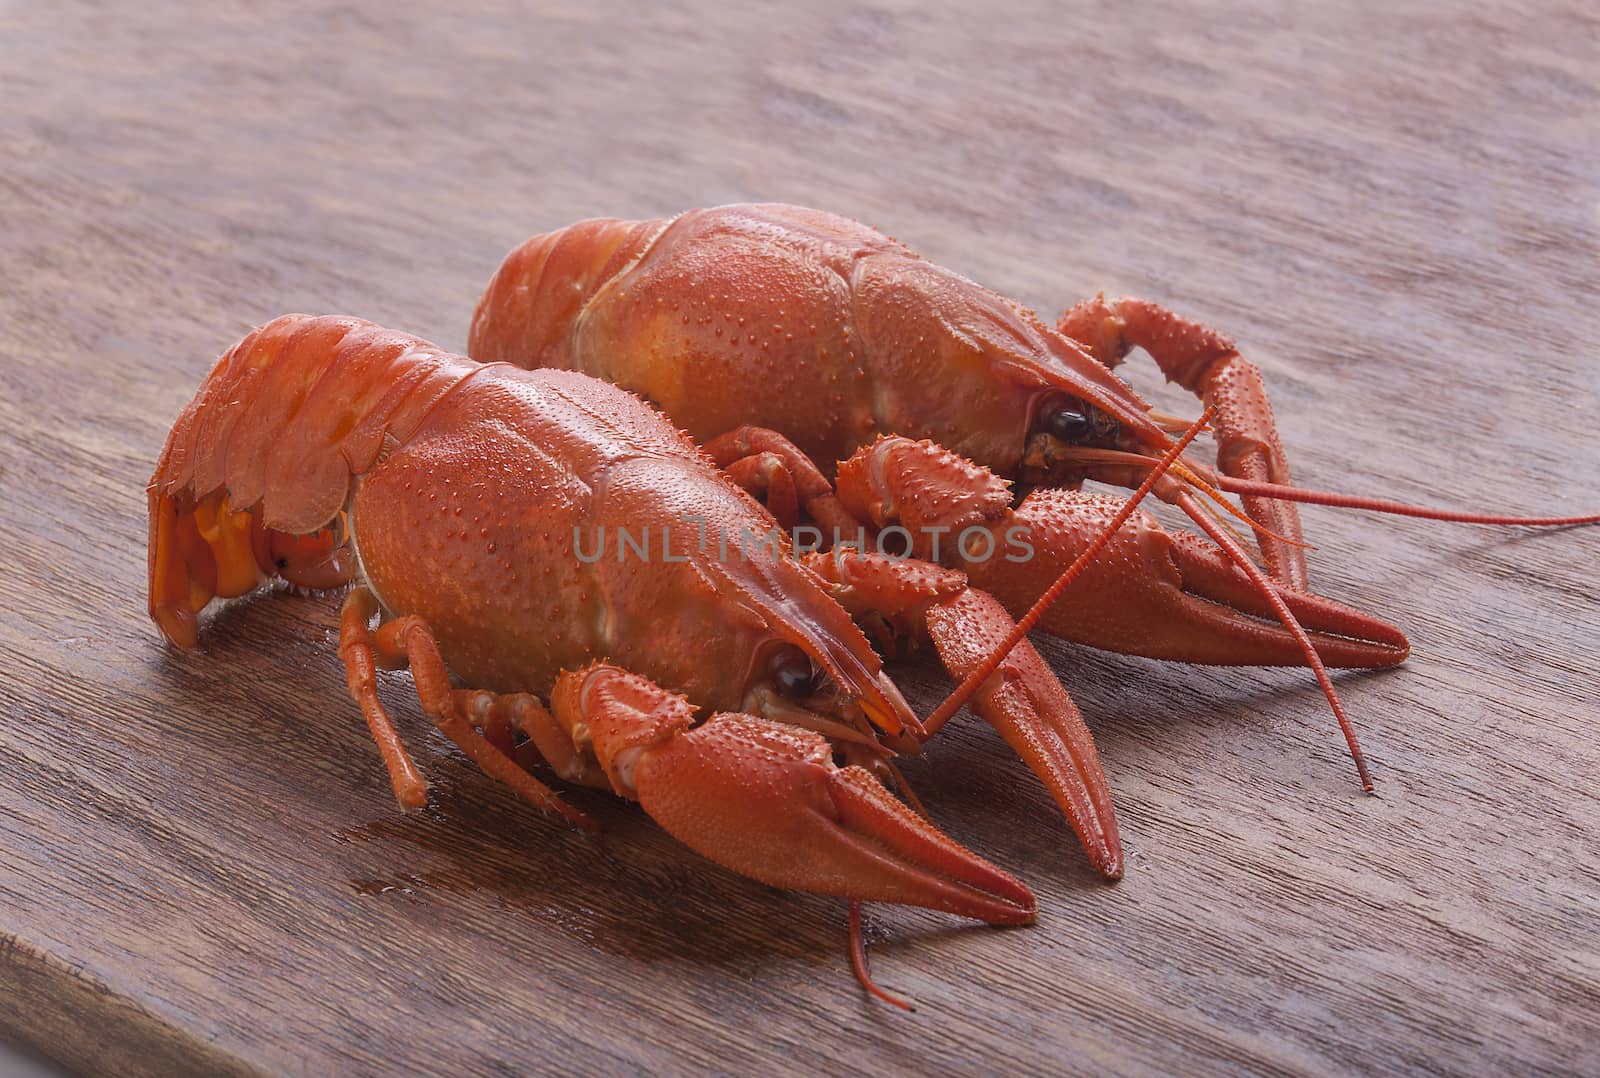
{"x":982,"y":376}
{"x":812,"y":661}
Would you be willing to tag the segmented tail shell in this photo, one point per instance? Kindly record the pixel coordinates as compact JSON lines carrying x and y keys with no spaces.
{"x":529,"y":313}
{"x":266,"y":449}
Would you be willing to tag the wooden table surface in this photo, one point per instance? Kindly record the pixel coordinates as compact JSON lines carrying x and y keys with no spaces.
{"x":1396,"y":210}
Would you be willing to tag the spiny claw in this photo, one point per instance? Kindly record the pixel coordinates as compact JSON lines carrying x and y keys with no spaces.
{"x":1023,"y":699}
{"x":1169,"y":596}
{"x":766,"y":800}
{"x":1027,"y":704}
{"x":1344,"y":636}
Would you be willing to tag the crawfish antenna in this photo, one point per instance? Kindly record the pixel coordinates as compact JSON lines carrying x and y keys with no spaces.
{"x":1379,"y":505}
{"x":963,"y":692}
{"x":1197,"y":512}
{"x":858,"y":962}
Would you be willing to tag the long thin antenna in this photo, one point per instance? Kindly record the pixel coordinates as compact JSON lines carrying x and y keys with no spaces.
{"x":1260,"y":489}
{"x":1269,"y":591}
{"x":858,"y":962}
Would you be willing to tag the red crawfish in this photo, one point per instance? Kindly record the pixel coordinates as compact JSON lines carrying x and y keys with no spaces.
{"x":731,"y":694}
{"x":789,"y":340}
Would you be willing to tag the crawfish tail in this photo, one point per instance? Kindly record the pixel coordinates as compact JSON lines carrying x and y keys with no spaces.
{"x":265,"y":451}
{"x":529,"y":313}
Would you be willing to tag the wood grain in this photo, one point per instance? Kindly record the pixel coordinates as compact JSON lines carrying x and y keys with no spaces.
{"x":1396,"y":208}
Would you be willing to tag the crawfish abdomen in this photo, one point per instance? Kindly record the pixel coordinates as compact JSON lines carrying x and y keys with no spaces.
{"x":553,"y":278}
{"x":265,"y":451}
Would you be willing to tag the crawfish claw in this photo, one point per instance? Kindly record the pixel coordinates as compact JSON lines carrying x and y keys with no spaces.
{"x":1169,"y":595}
{"x":1025,"y":702}
{"x":765,"y":799}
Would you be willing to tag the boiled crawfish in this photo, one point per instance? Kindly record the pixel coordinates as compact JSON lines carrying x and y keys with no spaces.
{"x":716,"y":690}
{"x":790,"y":340}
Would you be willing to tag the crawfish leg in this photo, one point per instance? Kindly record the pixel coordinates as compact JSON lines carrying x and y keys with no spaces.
{"x":497,"y":714}
{"x":410,"y":639}
{"x":769,"y":479}
{"x":356,"y":650}
{"x":773,"y":468}
{"x":1207,"y":364}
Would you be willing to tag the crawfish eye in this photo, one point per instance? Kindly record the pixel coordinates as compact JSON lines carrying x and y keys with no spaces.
{"x":792,"y":673}
{"x":1068,"y":424}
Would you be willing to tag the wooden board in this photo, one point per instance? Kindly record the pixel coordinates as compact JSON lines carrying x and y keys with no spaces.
{"x":1396,"y":210}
